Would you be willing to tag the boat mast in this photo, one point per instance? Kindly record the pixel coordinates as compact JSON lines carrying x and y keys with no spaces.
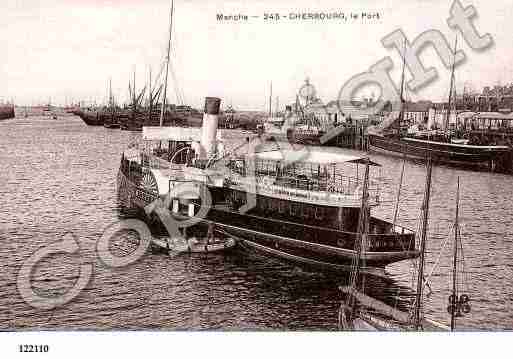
{"x":167,"y":64}
{"x":451,"y":87}
{"x":496,"y":97}
{"x":150,"y":100}
{"x":360,"y":242}
{"x":455,"y":259}
{"x":396,"y":209}
{"x":402,"y":110}
{"x":134,"y":94}
{"x":271,"y":100}
{"x":111,"y":101}
{"x":420,"y":274}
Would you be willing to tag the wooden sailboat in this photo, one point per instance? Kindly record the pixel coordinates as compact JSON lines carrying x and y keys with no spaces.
{"x":164,"y":97}
{"x":353,"y":314}
{"x":152,"y":118}
{"x":111,"y":121}
{"x":361,"y":312}
{"x":458,"y":303}
{"x":443,"y":146}
{"x":134,"y":121}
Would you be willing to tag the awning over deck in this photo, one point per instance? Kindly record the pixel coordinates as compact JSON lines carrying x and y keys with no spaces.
{"x":486,"y":115}
{"x":189,"y":134}
{"x":167,"y":133}
{"x":315,"y":155}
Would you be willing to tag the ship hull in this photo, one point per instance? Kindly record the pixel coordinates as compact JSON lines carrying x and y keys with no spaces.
{"x":7,"y":112}
{"x":313,"y":246}
{"x":474,"y":157}
{"x":298,"y":138}
{"x":91,"y":118}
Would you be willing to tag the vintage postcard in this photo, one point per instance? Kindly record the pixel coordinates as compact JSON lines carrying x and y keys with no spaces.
{"x":176,"y":167}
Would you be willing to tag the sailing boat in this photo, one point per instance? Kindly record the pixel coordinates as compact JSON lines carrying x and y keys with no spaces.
{"x":164,"y":96}
{"x":458,"y":304}
{"x":153,"y":98}
{"x":135,"y":118}
{"x":442,"y":146}
{"x":111,"y":120}
{"x":352,"y":314}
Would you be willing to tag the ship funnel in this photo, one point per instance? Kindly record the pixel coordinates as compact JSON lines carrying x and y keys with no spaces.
{"x":209,"y":127}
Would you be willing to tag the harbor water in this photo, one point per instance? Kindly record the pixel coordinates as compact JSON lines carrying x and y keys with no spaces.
{"x":59,"y":179}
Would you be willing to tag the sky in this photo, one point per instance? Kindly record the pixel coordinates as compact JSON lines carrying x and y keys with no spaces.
{"x":67,"y":50}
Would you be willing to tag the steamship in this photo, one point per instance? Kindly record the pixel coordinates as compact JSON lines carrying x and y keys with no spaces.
{"x":289,"y":203}
{"x":293,"y":129}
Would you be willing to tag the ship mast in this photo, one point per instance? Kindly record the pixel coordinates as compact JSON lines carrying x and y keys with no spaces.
{"x":134,"y":94}
{"x":451,"y":87}
{"x":271,"y":100}
{"x":420,"y":275}
{"x":403,"y":102}
{"x":167,"y":64}
{"x":455,"y":259}
{"x":111,"y":100}
{"x":150,"y":100}
{"x":360,"y":242}
{"x":396,"y":209}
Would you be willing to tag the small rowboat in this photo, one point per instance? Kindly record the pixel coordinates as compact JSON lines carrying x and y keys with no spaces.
{"x":194,"y":245}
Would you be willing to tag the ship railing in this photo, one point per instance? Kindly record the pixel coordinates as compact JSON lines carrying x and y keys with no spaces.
{"x":337,"y":183}
{"x":397,"y":229}
{"x":131,"y":165}
{"x":132,"y":156}
{"x":342,"y":187}
{"x":144,"y":159}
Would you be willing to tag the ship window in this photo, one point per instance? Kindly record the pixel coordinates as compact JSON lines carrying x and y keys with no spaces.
{"x":319,"y":212}
{"x":278,"y":206}
{"x":305,"y":208}
{"x":275,"y":205}
{"x":268,"y":204}
{"x":293,"y":209}
{"x":262,"y":203}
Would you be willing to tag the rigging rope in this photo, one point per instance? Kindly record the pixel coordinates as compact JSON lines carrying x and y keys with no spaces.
{"x":439,"y":257}
{"x":463,"y":271}
{"x":178,"y":93}
{"x":396,"y":210}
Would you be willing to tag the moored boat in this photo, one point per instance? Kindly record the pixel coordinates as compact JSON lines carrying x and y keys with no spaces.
{"x":194,"y":245}
{"x":299,"y":208}
{"x":492,"y":158}
{"x":442,"y":146}
{"x":7,"y":112}
{"x":91,"y":117}
{"x":296,"y":126}
{"x":110,"y":114}
{"x":361,"y":312}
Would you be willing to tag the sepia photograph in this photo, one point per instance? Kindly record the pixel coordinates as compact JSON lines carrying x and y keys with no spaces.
{"x":184,"y":171}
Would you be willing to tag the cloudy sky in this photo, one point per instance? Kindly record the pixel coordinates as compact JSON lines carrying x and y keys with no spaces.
{"x":68,"y":49}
